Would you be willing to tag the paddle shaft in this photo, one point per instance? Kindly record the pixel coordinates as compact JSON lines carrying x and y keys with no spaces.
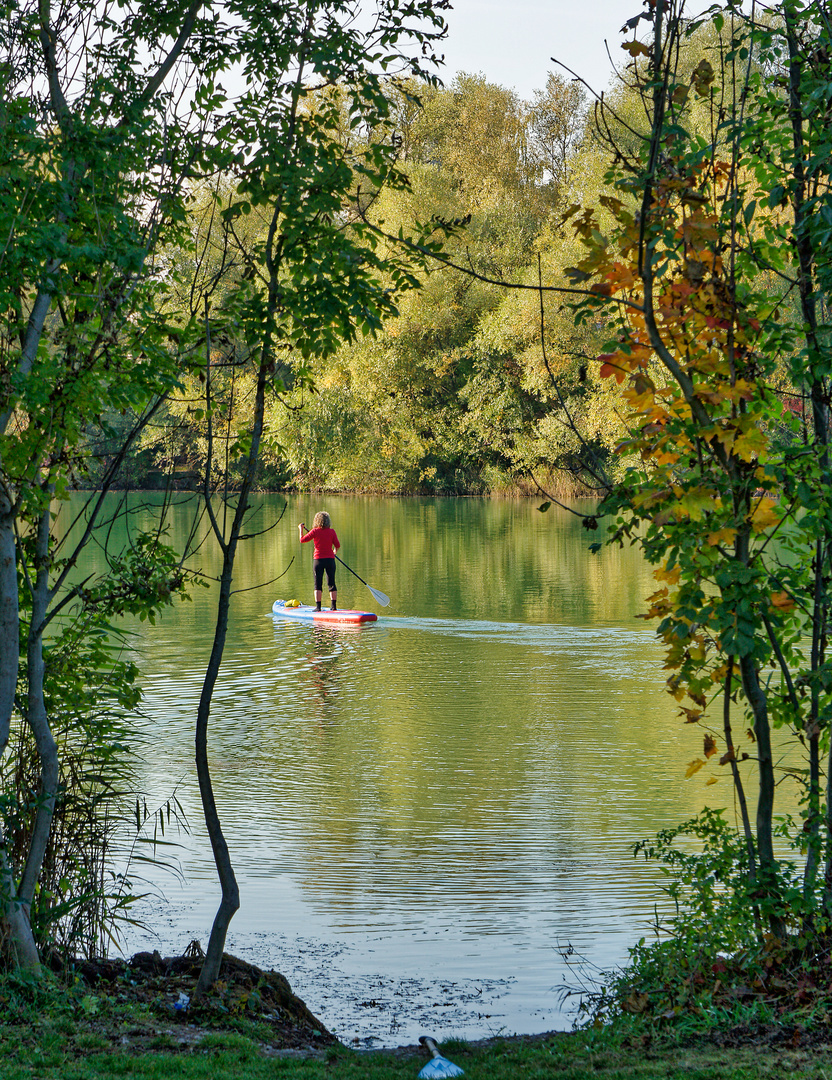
{"x":361,"y":579}
{"x":427,"y":1041}
{"x":377,"y":593}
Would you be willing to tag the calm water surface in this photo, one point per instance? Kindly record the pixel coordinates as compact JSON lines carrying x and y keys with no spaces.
{"x":426,"y":812}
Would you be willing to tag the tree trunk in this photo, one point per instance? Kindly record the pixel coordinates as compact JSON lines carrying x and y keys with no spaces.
{"x":767,"y":869}
{"x":37,"y":718}
{"x":21,"y":943}
{"x":800,"y":183}
{"x":230,"y":901}
{"x":225,"y":871}
{"x":739,"y":788}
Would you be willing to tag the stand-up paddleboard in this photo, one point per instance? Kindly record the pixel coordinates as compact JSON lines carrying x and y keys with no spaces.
{"x":331,"y":618}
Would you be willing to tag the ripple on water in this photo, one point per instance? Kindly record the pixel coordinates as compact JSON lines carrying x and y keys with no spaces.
{"x":422,"y":811}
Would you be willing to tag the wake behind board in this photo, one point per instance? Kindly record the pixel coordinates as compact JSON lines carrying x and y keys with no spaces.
{"x":330,"y":618}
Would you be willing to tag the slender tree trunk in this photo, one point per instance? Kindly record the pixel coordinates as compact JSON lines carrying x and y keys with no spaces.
{"x":230,"y":901}
{"x":767,"y":869}
{"x":739,"y":788}
{"x":9,"y":618}
{"x":765,"y":761}
{"x":813,"y":796}
{"x":800,"y":190}
{"x":21,"y":943}
{"x":38,"y":719}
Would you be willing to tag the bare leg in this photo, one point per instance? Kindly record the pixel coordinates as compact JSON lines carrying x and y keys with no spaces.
{"x":318,"y":595}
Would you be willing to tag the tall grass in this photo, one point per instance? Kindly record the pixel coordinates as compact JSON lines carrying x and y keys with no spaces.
{"x":102,"y":830}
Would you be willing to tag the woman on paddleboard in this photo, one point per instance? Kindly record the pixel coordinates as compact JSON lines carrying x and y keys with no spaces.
{"x":326,"y":544}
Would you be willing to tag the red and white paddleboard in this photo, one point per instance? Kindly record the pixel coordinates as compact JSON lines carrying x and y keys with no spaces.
{"x":331,"y":618}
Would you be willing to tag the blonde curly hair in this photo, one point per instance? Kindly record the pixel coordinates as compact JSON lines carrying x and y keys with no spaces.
{"x":321,"y":520}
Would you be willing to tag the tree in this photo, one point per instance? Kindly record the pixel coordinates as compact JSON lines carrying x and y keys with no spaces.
{"x":711,"y":278}
{"x":93,"y":158}
{"x":557,"y":125}
{"x":419,"y":408}
{"x":112,"y":116}
{"x":311,"y":279}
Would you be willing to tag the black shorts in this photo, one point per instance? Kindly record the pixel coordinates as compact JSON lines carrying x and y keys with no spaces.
{"x":318,"y":567}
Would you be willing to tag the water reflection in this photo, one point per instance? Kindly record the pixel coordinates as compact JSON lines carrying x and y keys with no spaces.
{"x":323,"y":656}
{"x":448,"y":794}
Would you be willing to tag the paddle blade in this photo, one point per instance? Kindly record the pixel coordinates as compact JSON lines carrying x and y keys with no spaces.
{"x":379,"y":596}
{"x":440,"y":1069}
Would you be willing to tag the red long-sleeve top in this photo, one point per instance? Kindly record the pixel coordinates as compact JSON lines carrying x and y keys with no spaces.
{"x":325,"y":540}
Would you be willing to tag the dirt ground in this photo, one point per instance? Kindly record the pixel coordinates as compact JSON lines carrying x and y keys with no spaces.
{"x":165,"y":985}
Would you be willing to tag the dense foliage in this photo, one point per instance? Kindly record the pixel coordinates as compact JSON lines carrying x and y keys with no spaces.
{"x":115,"y":132}
{"x":324,"y":282}
{"x":454,"y":394}
{"x":711,"y":274}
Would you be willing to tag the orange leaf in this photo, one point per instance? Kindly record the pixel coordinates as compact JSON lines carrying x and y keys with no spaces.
{"x":609,"y":369}
{"x":782,"y":601}
{"x":622,"y":276}
{"x":725,"y":534}
{"x":710,"y":746}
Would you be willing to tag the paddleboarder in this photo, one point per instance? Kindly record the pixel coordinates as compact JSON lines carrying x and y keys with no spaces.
{"x":325,"y":543}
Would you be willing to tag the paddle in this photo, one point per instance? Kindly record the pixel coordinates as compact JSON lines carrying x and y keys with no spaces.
{"x":379,"y":596}
{"x":439,"y":1068}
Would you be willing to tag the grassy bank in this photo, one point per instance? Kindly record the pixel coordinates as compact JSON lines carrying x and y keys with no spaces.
{"x":107,"y":1019}
{"x":49,"y":1054}
{"x":77,"y":1034}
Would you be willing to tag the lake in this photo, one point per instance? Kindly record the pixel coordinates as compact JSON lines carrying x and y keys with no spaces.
{"x":426,"y":813}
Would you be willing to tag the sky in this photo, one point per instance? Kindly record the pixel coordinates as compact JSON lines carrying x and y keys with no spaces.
{"x":511,"y":41}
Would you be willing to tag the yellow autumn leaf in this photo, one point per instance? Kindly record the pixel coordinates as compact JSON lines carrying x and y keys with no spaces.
{"x":750,"y":444}
{"x":694,"y":767}
{"x":635,"y":48}
{"x":741,"y":389}
{"x":765,"y":515}
{"x":646,"y":500}
{"x":639,"y":401}
{"x":670,"y":576}
{"x":725,"y":436}
{"x":712,"y":780}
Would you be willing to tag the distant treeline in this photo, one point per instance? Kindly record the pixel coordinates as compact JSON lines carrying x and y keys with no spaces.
{"x":475,"y":387}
